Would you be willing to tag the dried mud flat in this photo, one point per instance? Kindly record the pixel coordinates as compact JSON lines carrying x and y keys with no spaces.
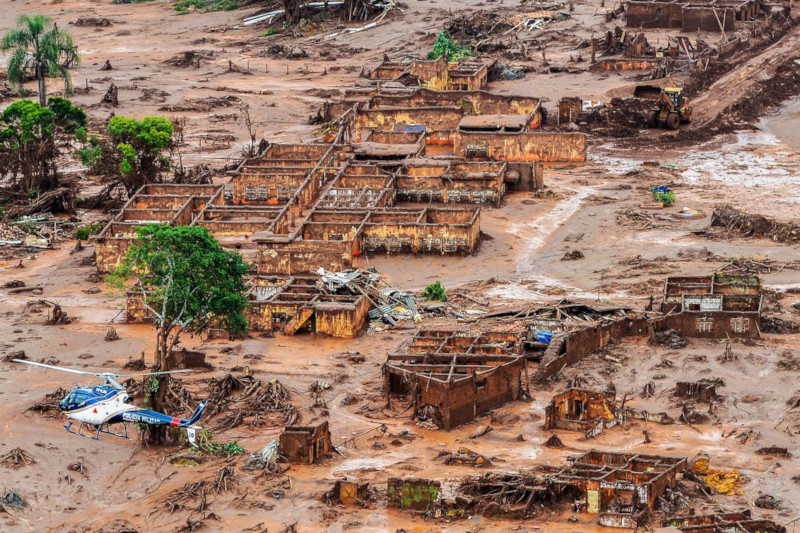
{"x":74,"y":484}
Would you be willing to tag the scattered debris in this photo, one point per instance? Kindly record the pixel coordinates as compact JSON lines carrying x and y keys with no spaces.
{"x":16,"y":459}
{"x":111,"y":334}
{"x":573,"y":255}
{"x":747,"y":225}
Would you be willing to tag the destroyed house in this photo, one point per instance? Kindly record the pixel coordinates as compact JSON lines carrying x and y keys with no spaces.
{"x":333,"y":238}
{"x":693,"y":15}
{"x":305,"y":444}
{"x":452,"y":377}
{"x":335,"y":208}
{"x":437,"y":74}
{"x":621,"y":488}
{"x":713,"y":306}
{"x":296,"y":303}
{"x":580,"y":409}
{"x":592,"y":412}
{"x":172,"y":204}
{"x":732,"y":522}
{"x":473,"y":125}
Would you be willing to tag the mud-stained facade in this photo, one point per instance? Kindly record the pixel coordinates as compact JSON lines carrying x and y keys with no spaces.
{"x":730,"y":522}
{"x":713,"y":306}
{"x":292,"y":304}
{"x":621,"y":488}
{"x":176,"y":205}
{"x":436,"y":74}
{"x":693,"y":16}
{"x":305,"y":444}
{"x":288,"y":304}
{"x":453,"y":377}
{"x":579,"y":410}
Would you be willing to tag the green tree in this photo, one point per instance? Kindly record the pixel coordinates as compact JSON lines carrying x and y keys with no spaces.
{"x":444,"y":45}
{"x":39,"y":47}
{"x":29,"y":138}
{"x":141,"y":146}
{"x":187,"y":281}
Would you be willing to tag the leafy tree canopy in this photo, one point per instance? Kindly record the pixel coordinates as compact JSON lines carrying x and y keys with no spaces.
{"x":39,"y":48}
{"x":28,"y":140}
{"x":187,"y":279}
{"x":140,"y":143}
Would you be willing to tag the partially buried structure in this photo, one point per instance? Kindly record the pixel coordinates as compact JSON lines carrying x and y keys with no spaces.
{"x":452,"y":377}
{"x":713,"y":306}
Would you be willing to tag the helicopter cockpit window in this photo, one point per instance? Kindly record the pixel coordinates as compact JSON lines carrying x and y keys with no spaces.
{"x":75,"y":398}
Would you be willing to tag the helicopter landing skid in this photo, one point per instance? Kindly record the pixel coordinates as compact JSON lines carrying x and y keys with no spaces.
{"x":102,"y":428}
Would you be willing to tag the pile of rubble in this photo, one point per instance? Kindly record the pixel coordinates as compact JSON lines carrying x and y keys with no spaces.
{"x":390,"y":305}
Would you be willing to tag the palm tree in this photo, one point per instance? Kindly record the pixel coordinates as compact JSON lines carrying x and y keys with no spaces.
{"x":38,"y":45}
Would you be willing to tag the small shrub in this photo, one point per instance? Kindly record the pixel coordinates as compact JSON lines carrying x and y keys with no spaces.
{"x":270,"y":32}
{"x":435,"y":291}
{"x":444,"y":44}
{"x":667,"y":198}
{"x":84,"y":232}
{"x":204,"y":6}
{"x":205,"y":444}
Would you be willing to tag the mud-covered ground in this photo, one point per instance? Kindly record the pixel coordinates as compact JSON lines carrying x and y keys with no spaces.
{"x":594,"y":207}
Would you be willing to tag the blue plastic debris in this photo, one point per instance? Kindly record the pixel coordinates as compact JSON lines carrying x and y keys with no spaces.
{"x":544,"y":336}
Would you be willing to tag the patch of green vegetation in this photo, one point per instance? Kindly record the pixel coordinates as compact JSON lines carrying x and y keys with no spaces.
{"x":445,"y":45}
{"x":83,"y":232}
{"x":203,"y":443}
{"x":204,"y":6}
{"x":435,"y":291}
{"x":666,"y":198}
{"x":270,"y":32}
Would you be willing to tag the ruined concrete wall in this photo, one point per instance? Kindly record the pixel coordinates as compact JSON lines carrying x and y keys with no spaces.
{"x":421,"y":238}
{"x":470,"y":82}
{"x":653,"y":15}
{"x":110,"y":252}
{"x":617,"y":65}
{"x":433,"y":118}
{"x":416,"y":494}
{"x":414,"y":187}
{"x":470,"y":398}
{"x":471,"y":102}
{"x":305,"y":444}
{"x":434,"y":70}
{"x":135,"y":310}
{"x":221,"y":228}
{"x":715,"y":325}
{"x":525,"y":146}
{"x":698,"y":18}
{"x":263,"y":189}
{"x":259,"y":316}
{"x":341,"y":320}
{"x":300,"y":257}
{"x":569,"y":348}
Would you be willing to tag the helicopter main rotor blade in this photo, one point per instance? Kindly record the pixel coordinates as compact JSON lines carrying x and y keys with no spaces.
{"x":52,"y":367}
{"x":98,"y":374}
{"x":151,"y":373}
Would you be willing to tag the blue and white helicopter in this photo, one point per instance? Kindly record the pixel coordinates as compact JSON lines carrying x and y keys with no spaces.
{"x":101,"y":406}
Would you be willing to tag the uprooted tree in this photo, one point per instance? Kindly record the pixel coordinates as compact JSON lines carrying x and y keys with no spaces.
{"x":40,"y":49}
{"x":187,"y":282}
{"x":30,"y":137}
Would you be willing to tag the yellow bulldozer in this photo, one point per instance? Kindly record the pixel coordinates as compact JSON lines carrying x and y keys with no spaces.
{"x":672,"y":106}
